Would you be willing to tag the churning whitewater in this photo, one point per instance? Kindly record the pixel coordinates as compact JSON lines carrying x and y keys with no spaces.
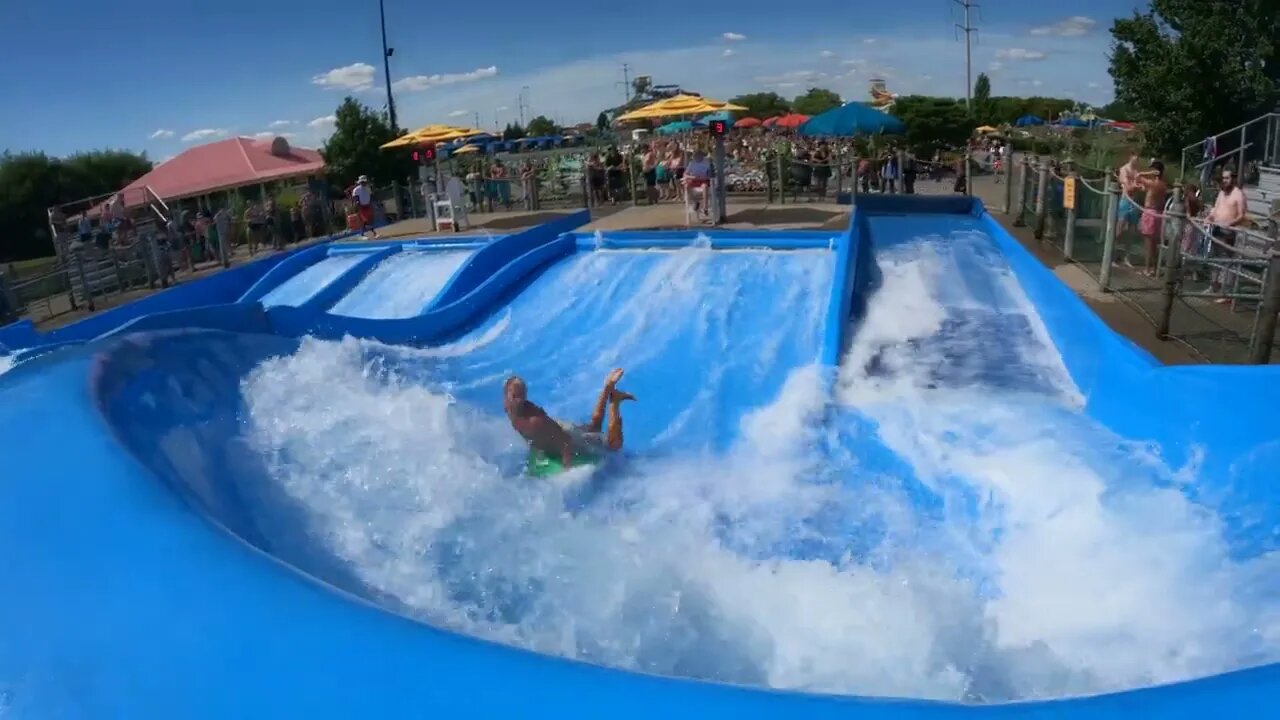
{"x":951,"y":527}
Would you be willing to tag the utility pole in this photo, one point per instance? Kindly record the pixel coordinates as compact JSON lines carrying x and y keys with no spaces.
{"x":477,"y":114}
{"x":386,"y":66}
{"x":522,"y":100}
{"x":968,"y":29}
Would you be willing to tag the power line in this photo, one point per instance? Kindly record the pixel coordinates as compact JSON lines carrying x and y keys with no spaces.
{"x":968,"y":29}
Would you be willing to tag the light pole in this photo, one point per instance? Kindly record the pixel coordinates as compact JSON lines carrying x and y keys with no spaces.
{"x":386,"y":66}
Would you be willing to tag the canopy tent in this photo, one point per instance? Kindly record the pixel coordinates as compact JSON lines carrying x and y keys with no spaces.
{"x":1073,"y":122}
{"x":747,"y":122}
{"x":1028,"y":121}
{"x":850,"y":119}
{"x":679,"y":126}
{"x":678,"y":105}
{"x":429,"y":134}
{"x":985,"y":129}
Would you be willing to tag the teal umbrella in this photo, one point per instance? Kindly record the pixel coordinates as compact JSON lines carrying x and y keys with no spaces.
{"x":676,"y":127}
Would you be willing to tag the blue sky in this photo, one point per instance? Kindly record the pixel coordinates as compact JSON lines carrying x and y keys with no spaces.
{"x":158,"y":76}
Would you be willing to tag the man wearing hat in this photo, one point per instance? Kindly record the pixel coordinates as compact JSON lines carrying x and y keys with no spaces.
{"x":363,"y":197}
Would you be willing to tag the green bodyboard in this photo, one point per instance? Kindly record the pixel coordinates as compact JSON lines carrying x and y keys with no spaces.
{"x":541,"y":465}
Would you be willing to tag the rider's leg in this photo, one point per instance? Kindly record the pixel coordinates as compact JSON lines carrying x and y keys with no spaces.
{"x":613,"y":438}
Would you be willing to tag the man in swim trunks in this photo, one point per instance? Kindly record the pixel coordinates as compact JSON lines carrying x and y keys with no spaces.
{"x":564,"y":440}
{"x":1151,"y":226}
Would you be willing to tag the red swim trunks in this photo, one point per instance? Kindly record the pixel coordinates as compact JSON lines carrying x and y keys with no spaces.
{"x":366,"y":214}
{"x":1151,"y":223}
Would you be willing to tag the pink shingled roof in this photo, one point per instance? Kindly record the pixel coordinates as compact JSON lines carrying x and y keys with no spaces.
{"x":227,"y":164}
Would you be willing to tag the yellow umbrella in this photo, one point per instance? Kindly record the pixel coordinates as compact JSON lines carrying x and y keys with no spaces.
{"x":432,"y":134}
{"x":679,"y":105}
{"x":985,"y":129}
{"x":465,"y":150}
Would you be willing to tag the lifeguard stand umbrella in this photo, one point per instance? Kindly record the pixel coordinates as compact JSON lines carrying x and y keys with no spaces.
{"x":677,"y":106}
{"x":429,"y":134}
{"x":852,"y":119}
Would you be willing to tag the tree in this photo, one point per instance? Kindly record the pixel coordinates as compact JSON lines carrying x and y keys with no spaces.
{"x":815,"y":101}
{"x":981,"y":109}
{"x":355,"y":147}
{"x":542,"y":126}
{"x":513,"y":131}
{"x":602,"y":122}
{"x":932,"y":122}
{"x":31,"y":183}
{"x":1190,"y":68}
{"x":763,"y":104}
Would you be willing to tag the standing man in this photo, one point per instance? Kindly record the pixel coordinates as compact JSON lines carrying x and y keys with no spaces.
{"x":1230,"y":211}
{"x":362,"y":195}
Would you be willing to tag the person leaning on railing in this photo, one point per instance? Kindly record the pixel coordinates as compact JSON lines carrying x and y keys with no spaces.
{"x":1230,"y":213}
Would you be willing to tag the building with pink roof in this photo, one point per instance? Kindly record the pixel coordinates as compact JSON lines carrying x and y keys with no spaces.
{"x":228,"y":165}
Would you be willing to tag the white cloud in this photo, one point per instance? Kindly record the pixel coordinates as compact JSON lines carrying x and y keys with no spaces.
{"x":791,"y":79}
{"x":1095,"y":85}
{"x":857,"y":63}
{"x":501,"y":108}
{"x":995,"y":66}
{"x":734,"y":37}
{"x":324,"y":122}
{"x":282,"y":123}
{"x":271,"y":134}
{"x":416,"y":83}
{"x":1071,"y":27}
{"x":459,"y":113}
{"x":826,"y":54}
{"x":203,"y":134}
{"x":356,"y":76}
{"x":162,"y":134}
{"x":1021,"y":54}
{"x":728,"y":52}
{"x":870,"y":41}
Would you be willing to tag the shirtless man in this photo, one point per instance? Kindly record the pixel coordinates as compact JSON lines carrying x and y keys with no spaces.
{"x":567,"y":440}
{"x":1129,"y":212}
{"x":1230,"y":210}
{"x":1152,"y":222}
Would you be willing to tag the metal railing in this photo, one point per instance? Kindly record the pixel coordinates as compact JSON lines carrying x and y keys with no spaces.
{"x":1262,"y":131}
{"x":1215,"y":289}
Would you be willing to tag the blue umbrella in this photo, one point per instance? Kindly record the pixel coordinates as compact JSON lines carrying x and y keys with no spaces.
{"x":1028,"y":120}
{"x":851,"y":119}
{"x":719,"y":115}
{"x":1073,"y":122}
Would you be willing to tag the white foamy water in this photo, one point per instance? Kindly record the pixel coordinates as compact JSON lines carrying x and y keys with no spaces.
{"x":402,"y":285}
{"x":954,"y":529}
{"x":303,"y":286}
{"x":1100,"y":575}
{"x":6,"y":362}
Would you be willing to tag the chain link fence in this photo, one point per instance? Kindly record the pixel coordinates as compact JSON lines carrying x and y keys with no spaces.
{"x":1216,"y":290}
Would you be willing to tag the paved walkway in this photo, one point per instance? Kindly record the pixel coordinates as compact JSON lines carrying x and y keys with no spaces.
{"x":740,"y":215}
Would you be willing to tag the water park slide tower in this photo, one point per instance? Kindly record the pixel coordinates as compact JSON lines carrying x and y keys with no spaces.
{"x":881,"y":98}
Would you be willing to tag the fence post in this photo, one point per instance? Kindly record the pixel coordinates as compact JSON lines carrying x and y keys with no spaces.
{"x":1172,"y":269}
{"x":1109,"y":236}
{"x":782,"y":182}
{"x":1007,"y":169}
{"x":968,"y":166}
{"x":84,"y":282}
{"x":1069,"y":233}
{"x":631,"y":178}
{"x":853,"y":182}
{"x":1260,"y":352}
{"x":1023,"y":170}
{"x":902,"y":175}
{"x":8,"y":301}
{"x":1042,"y":195}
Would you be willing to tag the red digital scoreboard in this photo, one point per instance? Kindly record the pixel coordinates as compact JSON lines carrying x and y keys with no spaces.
{"x":718,"y":127}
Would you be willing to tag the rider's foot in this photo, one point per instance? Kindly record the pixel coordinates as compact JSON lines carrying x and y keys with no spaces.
{"x":613,"y":378}
{"x":620,"y":395}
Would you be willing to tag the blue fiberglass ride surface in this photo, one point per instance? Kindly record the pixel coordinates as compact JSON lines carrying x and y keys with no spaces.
{"x":723,"y":547}
{"x":402,"y":285}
